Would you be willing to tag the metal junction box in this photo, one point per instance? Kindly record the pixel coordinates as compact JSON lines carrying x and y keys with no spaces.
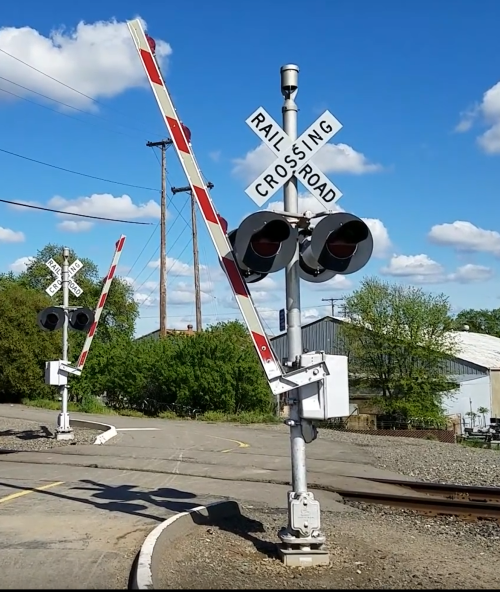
{"x":329,"y":397}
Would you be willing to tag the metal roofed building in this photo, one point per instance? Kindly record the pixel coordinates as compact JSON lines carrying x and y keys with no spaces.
{"x":476,"y":368}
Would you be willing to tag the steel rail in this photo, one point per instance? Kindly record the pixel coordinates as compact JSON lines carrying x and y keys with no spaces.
{"x":431,"y":505}
{"x":446,"y":490}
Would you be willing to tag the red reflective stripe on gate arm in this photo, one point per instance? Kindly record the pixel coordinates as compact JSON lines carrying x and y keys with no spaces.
{"x":102,"y":300}
{"x":111,"y":273}
{"x":206,"y":205}
{"x":92,"y":329}
{"x":178,"y":136}
{"x":151,"y":67}
{"x":235,"y":278}
{"x":119,"y":244}
{"x":263,"y":345}
{"x":82,"y":359}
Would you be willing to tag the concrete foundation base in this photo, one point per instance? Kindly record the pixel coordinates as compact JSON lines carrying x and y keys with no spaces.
{"x":303,"y":558}
{"x":65,"y":436}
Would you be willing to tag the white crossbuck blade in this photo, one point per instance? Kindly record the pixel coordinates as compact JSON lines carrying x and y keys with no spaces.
{"x":55,"y":286}
{"x":293,"y":158}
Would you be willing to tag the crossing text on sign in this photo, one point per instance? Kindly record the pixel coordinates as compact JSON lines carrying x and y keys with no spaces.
{"x":293,"y":158}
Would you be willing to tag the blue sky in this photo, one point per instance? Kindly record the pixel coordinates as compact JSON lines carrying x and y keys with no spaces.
{"x":413,"y":84}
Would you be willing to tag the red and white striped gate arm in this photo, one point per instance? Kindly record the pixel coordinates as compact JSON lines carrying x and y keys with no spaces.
{"x":101,"y":303}
{"x":218,"y":235}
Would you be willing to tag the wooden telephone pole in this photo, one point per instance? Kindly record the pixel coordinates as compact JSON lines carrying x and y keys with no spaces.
{"x":163,"y":145}
{"x":196,"y":260}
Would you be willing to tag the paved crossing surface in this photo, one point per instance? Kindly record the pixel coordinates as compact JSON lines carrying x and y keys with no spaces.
{"x":75,"y":517}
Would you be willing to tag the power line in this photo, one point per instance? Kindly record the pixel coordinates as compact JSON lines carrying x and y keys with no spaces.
{"x":57,"y":111}
{"x":53,"y":166}
{"x":65,"y":85}
{"x":34,"y":207}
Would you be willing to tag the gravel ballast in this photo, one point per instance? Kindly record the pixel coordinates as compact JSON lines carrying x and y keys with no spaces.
{"x":367,"y":551}
{"x":23,"y":435}
{"x":426,"y":460}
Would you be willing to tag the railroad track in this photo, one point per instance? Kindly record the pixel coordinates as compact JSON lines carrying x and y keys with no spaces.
{"x":435,"y":499}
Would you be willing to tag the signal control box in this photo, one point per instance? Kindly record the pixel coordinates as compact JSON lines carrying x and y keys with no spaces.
{"x":329,"y":397}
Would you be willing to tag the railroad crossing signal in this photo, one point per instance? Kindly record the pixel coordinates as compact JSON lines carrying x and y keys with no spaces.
{"x":293,"y":158}
{"x":265,"y":242}
{"x":55,"y":286}
{"x":340,"y":243}
{"x":52,"y":318}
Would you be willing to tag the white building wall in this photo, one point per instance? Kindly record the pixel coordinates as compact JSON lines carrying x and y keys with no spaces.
{"x":477,"y":391}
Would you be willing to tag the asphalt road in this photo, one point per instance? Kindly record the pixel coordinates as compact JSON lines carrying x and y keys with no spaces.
{"x":75,"y":517}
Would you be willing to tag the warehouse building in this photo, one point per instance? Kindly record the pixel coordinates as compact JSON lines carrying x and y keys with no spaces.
{"x":476,"y":368}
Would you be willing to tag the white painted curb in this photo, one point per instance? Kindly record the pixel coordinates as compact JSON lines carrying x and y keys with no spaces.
{"x":109,"y":431}
{"x":143,"y":576}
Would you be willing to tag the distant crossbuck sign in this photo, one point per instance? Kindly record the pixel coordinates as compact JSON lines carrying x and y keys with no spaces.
{"x":293,"y":158}
{"x":55,"y":268}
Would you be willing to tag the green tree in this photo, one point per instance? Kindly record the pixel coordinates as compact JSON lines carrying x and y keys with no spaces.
{"x":479,"y":321}
{"x":24,"y":348}
{"x":398,"y":341}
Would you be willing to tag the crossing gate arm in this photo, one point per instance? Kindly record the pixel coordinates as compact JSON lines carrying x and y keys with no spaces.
{"x":100,"y":305}
{"x":269,"y":362}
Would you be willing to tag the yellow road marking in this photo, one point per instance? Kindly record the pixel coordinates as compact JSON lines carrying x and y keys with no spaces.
{"x":12,"y":496}
{"x":240,"y":444}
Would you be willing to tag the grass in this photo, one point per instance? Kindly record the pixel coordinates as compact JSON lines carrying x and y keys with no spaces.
{"x":479,"y":444}
{"x":94,"y":406}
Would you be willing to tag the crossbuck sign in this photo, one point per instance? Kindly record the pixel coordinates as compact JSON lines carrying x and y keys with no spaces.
{"x":293,"y":158}
{"x":55,"y":286}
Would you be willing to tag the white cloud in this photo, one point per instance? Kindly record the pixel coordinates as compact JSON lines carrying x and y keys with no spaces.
{"x":418,"y":268}
{"x":381,"y":240}
{"x":471,"y":273}
{"x":421,"y":269}
{"x":338,"y":282}
{"x":310,"y":314}
{"x":175,"y":267}
{"x":20,"y":264}
{"x":107,"y":206}
{"x":215,"y":155}
{"x":99,"y":59}
{"x":488,"y":110}
{"x":464,"y":236}
{"x":145,"y":299}
{"x":185,"y":296}
{"x":11,"y":236}
{"x":332,"y":158}
{"x":75,"y":226}
{"x":341,"y":158}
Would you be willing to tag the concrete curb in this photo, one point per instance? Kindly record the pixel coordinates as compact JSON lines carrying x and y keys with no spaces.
{"x":108,"y":431}
{"x":149,"y":558}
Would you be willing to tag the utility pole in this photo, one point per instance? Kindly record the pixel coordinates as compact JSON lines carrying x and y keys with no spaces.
{"x":64,"y":431}
{"x":332,"y":302}
{"x":196,"y":260}
{"x":163,"y":145}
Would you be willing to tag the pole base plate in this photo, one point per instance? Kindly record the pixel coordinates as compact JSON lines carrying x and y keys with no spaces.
{"x":65,"y":436}
{"x":303,"y":557}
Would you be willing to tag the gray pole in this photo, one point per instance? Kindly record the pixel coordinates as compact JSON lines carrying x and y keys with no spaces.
{"x":64,"y":431}
{"x":302,"y":540}
{"x":289,"y":87}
